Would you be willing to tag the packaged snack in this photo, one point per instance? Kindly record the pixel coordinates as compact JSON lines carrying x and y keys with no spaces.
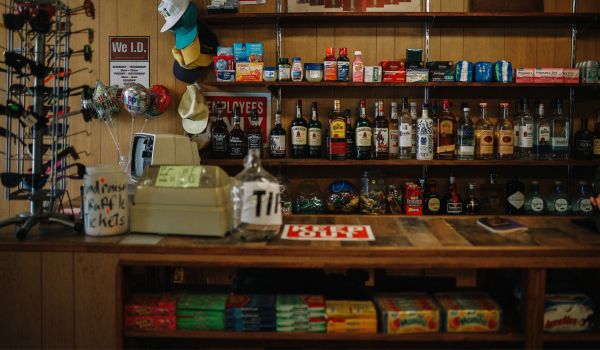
{"x":568,"y":313}
{"x":463,"y":71}
{"x":524,"y":75}
{"x":248,"y":52}
{"x":408,"y":313}
{"x":503,"y":72}
{"x":469,"y":312}
{"x":246,"y":72}
{"x":151,"y":323}
{"x":214,"y":302}
{"x":151,"y":305}
{"x":350,"y":309}
{"x":484,"y":71}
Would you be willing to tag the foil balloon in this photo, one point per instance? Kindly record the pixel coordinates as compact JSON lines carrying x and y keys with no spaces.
{"x":103,"y":103}
{"x":135,"y":99}
{"x":160,"y":98}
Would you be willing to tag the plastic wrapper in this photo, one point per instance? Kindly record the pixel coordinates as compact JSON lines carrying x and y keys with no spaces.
{"x":484,"y":71}
{"x":503,"y":72}
{"x":463,"y":71}
{"x":342,"y":198}
{"x":568,"y":313}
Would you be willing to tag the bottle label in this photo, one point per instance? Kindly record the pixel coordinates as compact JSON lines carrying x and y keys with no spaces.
{"x":433,"y":205}
{"x":486,"y":142}
{"x":363,"y":136}
{"x":543,"y":134}
{"x":516,"y":199}
{"x":526,"y":136}
{"x":446,"y":128}
{"x":516,"y":136}
{"x":358,"y":75}
{"x":560,"y":142}
{"x":219,"y":142}
{"x":466,"y":151}
{"x":405,"y":130}
{"x":454,"y":208}
{"x":299,"y":135}
{"x":236,"y":147}
{"x":505,"y":142}
{"x":343,"y":71}
{"x":561,"y":205}
{"x":278,"y":144}
{"x":382,"y":139}
{"x":394,"y":141}
{"x":584,"y":146}
{"x":585,"y":205}
{"x":537,"y":204}
{"x":425,"y":139}
{"x":260,"y":203}
{"x":597,"y":147}
{"x":314,"y":137}
{"x":338,"y":129}
{"x":330,"y":68}
{"x":284,"y":73}
{"x":254,"y":141}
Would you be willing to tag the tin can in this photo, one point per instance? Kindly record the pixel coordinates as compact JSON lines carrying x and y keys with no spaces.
{"x":413,"y":199}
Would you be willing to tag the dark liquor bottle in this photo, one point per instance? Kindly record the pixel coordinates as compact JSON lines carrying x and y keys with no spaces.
{"x":315,"y":131}
{"x":350,"y":136}
{"x":515,"y":199}
{"x":337,"y":133}
{"x":254,"y":134}
{"x":363,"y":134}
{"x":381,"y":137}
{"x":584,"y":142}
{"x":492,"y":196}
{"x":473,"y":206}
{"x":219,"y":136}
{"x":445,"y":133}
{"x":298,"y":133}
{"x":432,"y":205}
{"x":236,"y":137}
{"x":278,"y":138}
{"x":596,"y":147}
{"x":453,"y":204}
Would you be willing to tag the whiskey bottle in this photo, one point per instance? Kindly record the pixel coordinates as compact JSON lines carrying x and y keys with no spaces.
{"x":492,"y":196}
{"x":219,"y":136}
{"x":596,"y":143}
{"x":516,"y":119}
{"x":414,"y":117}
{"x":525,"y":150}
{"x":381,"y":137}
{"x":405,"y":132}
{"x":515,"y":199}
{"x":445,"y":133}
{"x":560,"y":130}
{"x":433,"y":114}
{"x":299,"y":130}
{"x":363,"y":134}
{"x":350,"y":136}
{"x":473,"y":207}
{"x":558,"y":202}
{"x":581,"y":205}
{"x":465,"y":136}
{"x":314,"y":134}
{"x":541,"y":135}
{"x":278,"y":138}
{"x":425,"y":135}
{"x":254,"y":134}
{"x":504,"y":134}
{"x":453,"y":204}
{"x":236,"y":137}
{"x":534,"y":202}
{"x":432,"y":204}
{"x":337,"y":133}
{"x":584,"y":142}
{"x":484,"y":135}
{"x":393,"y":131}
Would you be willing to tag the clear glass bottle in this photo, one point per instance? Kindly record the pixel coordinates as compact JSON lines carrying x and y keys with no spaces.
{"x":560,"y":129}
{"x":237,"y":136}
{"x":525,"y":150}
{"x":255,"y":197}
{"x":473,"y":206}
{"x":425,"y":135}
{"x":278,"y":144}
{"x":541,"y":134}
{"x":516,"y":119}
{"x":414,"y":116}
{"x":581,"y":204}
{"x":465,"y":138}
{"x":445,"y":145}
{"x":484,"y":135}
{"x":405,"y":128}
{"x":315,"y":134}
{"x":504,"y":134}
{"x":381,"y":133}
{"x":558,"y":202}
{"x":393,"y":131}
{"x":534,"y":201}
{"x":219,"y":136}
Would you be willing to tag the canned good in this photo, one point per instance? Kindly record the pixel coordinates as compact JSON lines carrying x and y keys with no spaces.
{"x":413,"y":199}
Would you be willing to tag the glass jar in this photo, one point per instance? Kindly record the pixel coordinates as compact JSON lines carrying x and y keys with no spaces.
{"x":255,"y":202}
{"x":372,"y":193}
{"x":270,"y":74}
{"x":314,"y":72}
{"x":284,"y":69}
{"x":308,"y":199}
{"x":342,"y":198}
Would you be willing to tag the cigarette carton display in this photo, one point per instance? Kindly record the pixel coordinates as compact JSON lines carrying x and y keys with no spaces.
{"x":408,"y":313}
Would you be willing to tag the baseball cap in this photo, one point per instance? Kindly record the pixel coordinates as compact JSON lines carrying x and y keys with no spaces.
{"x":185,"y":29}
{"x":189,"y":76}
{"x":193,"y":110}
{"x":172,"y":11}
{"x":191,"y":56}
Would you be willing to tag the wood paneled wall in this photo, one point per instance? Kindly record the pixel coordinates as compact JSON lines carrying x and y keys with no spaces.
{"x":528,"y":45}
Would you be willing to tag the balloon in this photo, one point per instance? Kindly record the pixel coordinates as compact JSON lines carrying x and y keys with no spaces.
{"x":135,"y":99}
{"x":160,"y":98}
{"x":103,"y":102}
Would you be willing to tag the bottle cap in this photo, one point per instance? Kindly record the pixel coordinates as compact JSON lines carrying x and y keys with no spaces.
{"x":483,"y":105}
{"x":283,"y":60}
{"x":504,"y":105}
{"x":296,"y":59}
{"x":343,"y":52}
{"x":472,"y":186}
{"x":558,"y":182}
{"x":329,"y":51}
{"x":357,"y":53}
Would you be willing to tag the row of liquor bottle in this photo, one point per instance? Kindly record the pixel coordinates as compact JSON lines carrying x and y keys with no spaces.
{"x":406,"y":135}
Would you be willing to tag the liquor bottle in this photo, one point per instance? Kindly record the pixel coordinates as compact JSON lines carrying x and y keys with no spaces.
{"x":363,"y":134}
{"x":445,"y":133}
{"x":558,"y":202}
{"x":515,"y":199}
{"x":298,"y":131}
{"x":236,"y":137}
{"x":465,"y":136}
{"x":381,"y":134}
{"x":432,"y":204}
{"x":405,"y":129}
{"x":581,"y":205}
{"x":541,"y":135}
{"x":314,"y":134}
{"x":337,"y":133}
{"x":584,"y":142}
{"x":560,"y":130}
{"x":596,"y":147}
{"x":425,"y":135}
{"x":330,"y":65}
{"x":393,"y":131}
{"x":254,"y":134}
{"x":453,"y":204}
{"x":525,"y":150}
{"x":414,"y":117}
{"x":433,"y":114}
{"x":534,"y":202}
{"x":516,"y":119}
{"x":492,"y":196}
{"x":278,"y":143}
{"x":350,"y":136}
{"x":484,"y":135}
{"x":473,"y":206}
{"x":219,"y":136}
{"x":343,"y":65}
{"x":504,"y":134}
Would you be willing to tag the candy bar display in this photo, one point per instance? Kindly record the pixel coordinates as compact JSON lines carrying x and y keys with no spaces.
{"x":201,"y":312}
{"x":151,"y":312}
{"x":408,"y":313}
{"x":349,"y":316}
{"x":301,"y":313}
{"x":568,"y":313}
{"x":469,"y":312}
{"x":250,"y":313}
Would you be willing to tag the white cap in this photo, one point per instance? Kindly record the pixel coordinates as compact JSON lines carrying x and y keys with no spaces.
{"x":356,"y":53}
{"x":172,"y":10}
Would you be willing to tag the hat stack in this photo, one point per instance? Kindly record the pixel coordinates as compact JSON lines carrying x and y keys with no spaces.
{"x":344,"y":316}
{"x":250,"y":313}
{"x":204,"y":312}
{"x":181,"y":18}
{"x":301,"y":313}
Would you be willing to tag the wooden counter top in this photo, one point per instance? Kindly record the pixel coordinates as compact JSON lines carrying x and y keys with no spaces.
{"x":401,"y":242}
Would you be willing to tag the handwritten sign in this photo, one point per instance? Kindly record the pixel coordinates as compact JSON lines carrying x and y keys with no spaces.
{"x":328,"y":232}
{"x":260,"y":205}
{"x":182,"y":176}
{"x":105,"y":203}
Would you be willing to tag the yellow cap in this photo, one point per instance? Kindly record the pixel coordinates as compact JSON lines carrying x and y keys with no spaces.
{"x":191,"y":57}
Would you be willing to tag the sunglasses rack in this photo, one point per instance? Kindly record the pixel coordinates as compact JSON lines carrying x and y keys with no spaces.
{"x":38,"y":47}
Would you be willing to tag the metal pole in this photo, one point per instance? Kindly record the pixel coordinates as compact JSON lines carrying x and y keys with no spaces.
{"x":8,"y":149}
{"x":39,"y":55}
{"x":572,"y":90}
{"x":427,"y":46}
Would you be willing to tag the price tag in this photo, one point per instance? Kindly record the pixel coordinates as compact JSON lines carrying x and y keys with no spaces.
{"x":260,"y":204}
{"x":178,"y":176}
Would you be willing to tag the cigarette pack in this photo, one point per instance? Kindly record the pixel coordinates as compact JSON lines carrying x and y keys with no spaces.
{"x":248,"y":71}
{"x":548,"y":75}
{"x":524,"y":75}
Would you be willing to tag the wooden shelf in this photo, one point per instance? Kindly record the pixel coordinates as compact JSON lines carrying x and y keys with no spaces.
{"x":395,"y":17}
{"x":409,"y":162}
{"x":574,"y":337}
{"x":432,"y":84}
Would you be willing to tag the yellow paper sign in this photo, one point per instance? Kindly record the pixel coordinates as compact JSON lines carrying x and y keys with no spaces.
{"x":178,"y":176}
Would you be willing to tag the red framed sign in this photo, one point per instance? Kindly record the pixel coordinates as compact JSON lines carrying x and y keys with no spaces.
{"x":328,"y":233}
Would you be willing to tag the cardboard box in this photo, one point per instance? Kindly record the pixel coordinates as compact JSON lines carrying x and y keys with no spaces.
{"x":548,"y":75}
{"x":372,"y":74}
{"x":571,"y":75}
{"x":249,"y":71}
{"x":393,"y":71}
{"x":224,"y":63}
{"x":469,"y":312}
{"x":248,"y":52}
{"x":406,"y":313}
{"x":441,"y":70}
{"x":417,"y":75}
{"x":524,"y":75}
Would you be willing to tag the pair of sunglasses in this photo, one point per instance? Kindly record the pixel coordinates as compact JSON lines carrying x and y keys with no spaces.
{"x":38,"y":17}
{"x":18,"y":62}
{"x":87,"y":53}
{"x":38,"y":181}
{"x":61,"y":74}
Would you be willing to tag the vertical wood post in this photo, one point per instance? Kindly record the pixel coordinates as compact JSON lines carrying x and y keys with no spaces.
{"x":532,"y":313}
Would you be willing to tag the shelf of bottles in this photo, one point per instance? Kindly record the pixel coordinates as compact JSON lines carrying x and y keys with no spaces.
{"x":431,"y":84}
